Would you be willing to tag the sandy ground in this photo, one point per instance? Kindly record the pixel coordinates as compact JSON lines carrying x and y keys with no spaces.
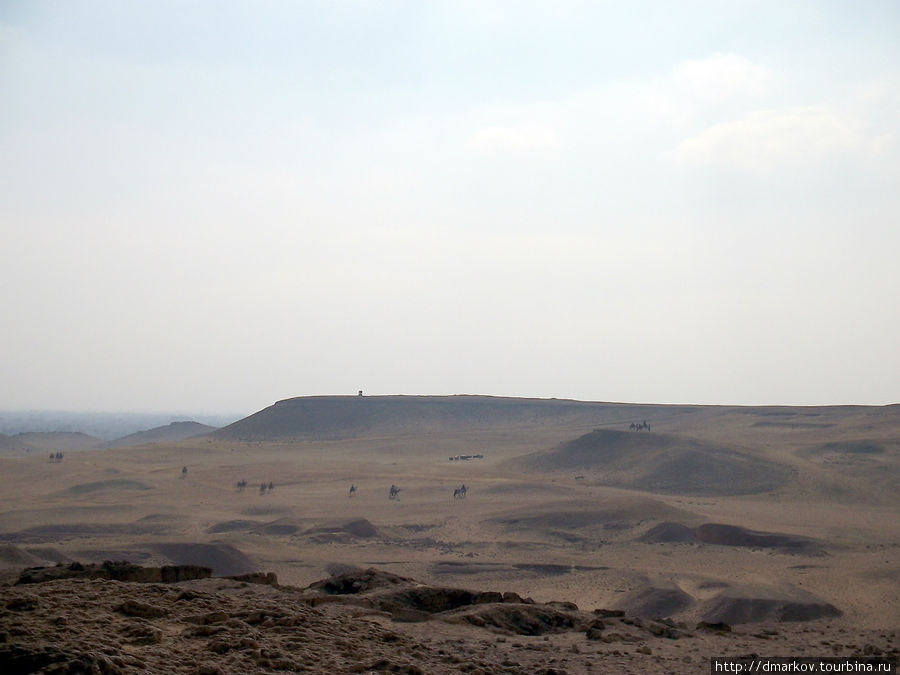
{"x":566,"y":533}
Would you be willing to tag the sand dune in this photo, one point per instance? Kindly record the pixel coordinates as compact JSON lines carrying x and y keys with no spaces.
{"x":729,"y":535}
{"x":754,"y":605}
{"x":717,"y":601}
{"x":656,"y":601}
{"x":669,"y":532}
{"x":234,"y":526}
{"x":224,"y":559}
{"x":355,"y":527}
{"x":851,"y":447}
{"x":280,"y":527}
{"x":574,"y":522}
{"x":13,"y":556}
{"x":658,"y":463}
{"x":54,"y":532}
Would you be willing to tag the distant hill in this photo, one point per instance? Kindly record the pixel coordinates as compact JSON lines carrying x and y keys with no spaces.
{"x":176,"y":431}
{"x":329,"y":417}
{"x":659,"y":463}
{"x":103,"y":425}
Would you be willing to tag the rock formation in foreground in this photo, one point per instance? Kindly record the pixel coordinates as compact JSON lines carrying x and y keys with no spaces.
{"x":358,"y":621}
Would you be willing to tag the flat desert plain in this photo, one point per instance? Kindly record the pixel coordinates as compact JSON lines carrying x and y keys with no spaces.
{"x":781,"y":522}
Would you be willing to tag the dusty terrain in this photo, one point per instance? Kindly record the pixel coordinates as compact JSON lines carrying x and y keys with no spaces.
{"x":769,"y":519}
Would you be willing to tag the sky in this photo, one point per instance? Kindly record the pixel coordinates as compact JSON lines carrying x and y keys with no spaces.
{"x":212,"y":206}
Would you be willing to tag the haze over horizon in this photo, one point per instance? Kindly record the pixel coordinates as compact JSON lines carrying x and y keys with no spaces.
{"x":214,"y":206}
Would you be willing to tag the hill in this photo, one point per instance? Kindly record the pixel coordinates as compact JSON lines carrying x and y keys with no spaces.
{"x":659,"y":463}
{"x":176,"y":431}
{"x":103,"y":425}
{"x":332,"y":417}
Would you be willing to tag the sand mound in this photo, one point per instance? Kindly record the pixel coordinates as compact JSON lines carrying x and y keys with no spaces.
{"x":57,"y":531}
{"x":267,"y":511}
{"x":576,"y":523}
{"x":225,"y":560}
{"x":13,"y":556}
{"x":282,"y":527}
{"x":658,"y":463}
{"x":849,"y":447}
{"x":160,"y":518}
{"x":656,"y":601}
{"x":732,"y":535}
{"x":544,"y":569}
{"x":519,"y":570}
{"x":669,"y":532}
{"x":354,"y":527}
{"x":234,"y":526}
{"x":750,"y":605}
{"x":100,"y":485}
{"x":726,"y":603}
{"x":729,"y":535}
{"x":454,"y":567}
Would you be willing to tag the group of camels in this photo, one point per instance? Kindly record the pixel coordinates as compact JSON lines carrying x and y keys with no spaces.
{"x":263,"y":487}
{"x":394,"y":492}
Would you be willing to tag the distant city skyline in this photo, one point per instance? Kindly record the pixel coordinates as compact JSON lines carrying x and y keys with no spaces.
{"x":212,"y":206}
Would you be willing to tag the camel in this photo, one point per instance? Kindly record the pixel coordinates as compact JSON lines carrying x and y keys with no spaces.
{"x":394,"y":492}
{"x":460,"y":492}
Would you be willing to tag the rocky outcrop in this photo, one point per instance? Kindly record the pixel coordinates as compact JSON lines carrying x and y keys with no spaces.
{"x":100,"y":625}
{"x":116,"y":571}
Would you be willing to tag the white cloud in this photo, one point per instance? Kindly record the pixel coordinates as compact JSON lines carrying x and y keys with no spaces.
{"x":519,"y":139}
{"x":692,"y":92}
{"x":769,"y":139}
{"x":721,"y":77}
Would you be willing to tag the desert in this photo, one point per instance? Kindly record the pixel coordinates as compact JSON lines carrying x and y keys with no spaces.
{"x":591,"y":537}
{"x":449,"y":336}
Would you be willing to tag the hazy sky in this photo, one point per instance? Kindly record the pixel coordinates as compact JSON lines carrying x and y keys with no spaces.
{"x":214,"y":205}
